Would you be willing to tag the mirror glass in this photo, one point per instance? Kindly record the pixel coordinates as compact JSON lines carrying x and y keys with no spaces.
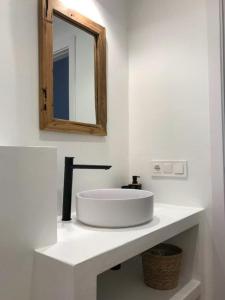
{"x":74,"y":84}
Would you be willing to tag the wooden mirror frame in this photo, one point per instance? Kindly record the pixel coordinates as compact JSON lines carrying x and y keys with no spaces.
{"x":48,"y":8}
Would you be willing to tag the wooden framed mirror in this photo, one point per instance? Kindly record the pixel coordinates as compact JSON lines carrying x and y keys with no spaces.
{"x":72,"y":50}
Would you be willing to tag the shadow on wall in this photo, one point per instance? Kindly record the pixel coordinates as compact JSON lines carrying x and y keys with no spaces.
{"x":23,"y":56}
{"x":110,"y":7}
{"x":67,"y":137}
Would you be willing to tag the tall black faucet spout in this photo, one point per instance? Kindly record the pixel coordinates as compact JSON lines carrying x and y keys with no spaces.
{"x":68,"y":182}
{"x":67,"y":189}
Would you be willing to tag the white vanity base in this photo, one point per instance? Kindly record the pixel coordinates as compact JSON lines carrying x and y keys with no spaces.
{"x":191,"y":291}
{"x":68,"y":270}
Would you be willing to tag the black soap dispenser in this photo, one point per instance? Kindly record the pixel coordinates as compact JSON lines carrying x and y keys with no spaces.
{"x":134,"y":185}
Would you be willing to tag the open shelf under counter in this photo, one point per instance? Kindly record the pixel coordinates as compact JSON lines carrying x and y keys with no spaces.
{"x":128,"y":284}
{"x":82,"y":252}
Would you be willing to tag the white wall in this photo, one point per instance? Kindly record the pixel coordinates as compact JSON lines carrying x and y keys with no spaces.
{"x":168,"y":90}
{"x":19,"y":91}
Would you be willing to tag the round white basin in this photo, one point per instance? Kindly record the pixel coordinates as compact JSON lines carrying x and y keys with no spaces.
{"x":114,"y":208}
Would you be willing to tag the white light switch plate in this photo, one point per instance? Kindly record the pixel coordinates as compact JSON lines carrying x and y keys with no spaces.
{"x":172,"y":168}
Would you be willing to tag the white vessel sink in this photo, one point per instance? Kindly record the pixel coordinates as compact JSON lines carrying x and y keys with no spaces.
{"x":114,"y":208}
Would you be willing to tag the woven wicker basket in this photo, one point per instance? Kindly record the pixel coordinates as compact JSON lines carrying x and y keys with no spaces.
{"x":161,"y":266}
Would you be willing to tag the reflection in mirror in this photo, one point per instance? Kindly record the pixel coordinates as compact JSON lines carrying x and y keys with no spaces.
{"x":74,"y":84}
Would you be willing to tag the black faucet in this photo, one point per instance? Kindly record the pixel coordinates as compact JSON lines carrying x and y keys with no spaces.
{"x":68,"y":181}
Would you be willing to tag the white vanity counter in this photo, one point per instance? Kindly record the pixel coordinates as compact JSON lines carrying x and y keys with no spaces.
{"x":78,"y":243}
{"x":83,"y":252}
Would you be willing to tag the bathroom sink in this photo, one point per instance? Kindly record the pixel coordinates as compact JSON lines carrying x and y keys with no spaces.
{"x":114,"y":208}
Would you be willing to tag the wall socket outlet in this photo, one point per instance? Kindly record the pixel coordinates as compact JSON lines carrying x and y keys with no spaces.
{"x":169,"y":168}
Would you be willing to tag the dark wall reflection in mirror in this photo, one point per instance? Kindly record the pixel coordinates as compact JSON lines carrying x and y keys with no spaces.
{"x":61,"y":84}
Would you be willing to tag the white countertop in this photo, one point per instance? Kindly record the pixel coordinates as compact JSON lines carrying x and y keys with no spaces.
{"x":78,"y":243}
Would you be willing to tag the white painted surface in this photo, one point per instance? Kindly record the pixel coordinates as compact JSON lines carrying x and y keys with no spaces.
{"x":19,"y":90}
{"x":27,"y":214}
{"x":73,"y":236}
{"x":190,"y":291}
{"x":86,"y":252}
{"x":114,"y":208}
{"x":169,"y":99}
